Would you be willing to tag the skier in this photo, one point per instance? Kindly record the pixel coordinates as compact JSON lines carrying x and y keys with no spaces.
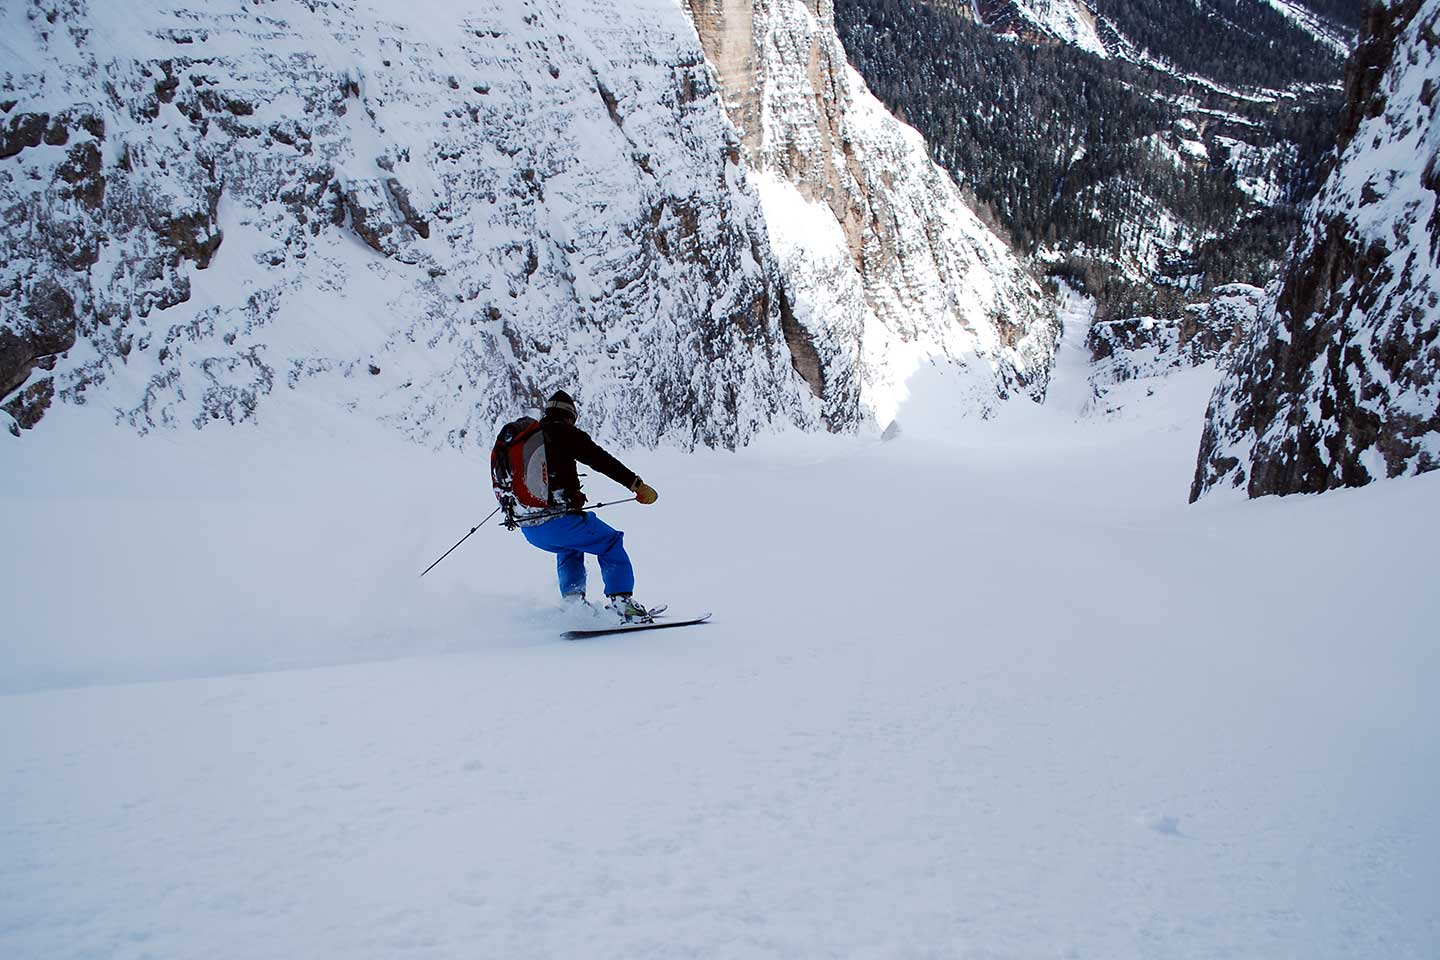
{"x":576,"y":532}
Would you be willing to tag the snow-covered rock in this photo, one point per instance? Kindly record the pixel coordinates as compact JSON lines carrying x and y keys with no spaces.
{"x":886,"y":267}
{"x":435,"y":214}
{"x":1065,"y":21}
{"x":1337,"y":385}
{"x":1138,"y":347}
{"x":431,"y":213}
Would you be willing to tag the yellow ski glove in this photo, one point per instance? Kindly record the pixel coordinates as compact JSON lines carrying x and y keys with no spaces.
{"x":644,"y":493}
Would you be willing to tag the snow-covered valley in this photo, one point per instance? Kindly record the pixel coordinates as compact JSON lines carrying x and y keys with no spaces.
{"x":991,"y":689}
{"x":979,"y":684}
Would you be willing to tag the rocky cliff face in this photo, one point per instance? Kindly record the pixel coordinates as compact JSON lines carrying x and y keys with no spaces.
{"x":885,"y":266}
{"x":1337,"y":383}
{"x":1139,"y":347}
{"x":431,"y":213}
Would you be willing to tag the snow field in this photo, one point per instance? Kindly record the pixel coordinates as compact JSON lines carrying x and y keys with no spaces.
{"x":988,"y":690}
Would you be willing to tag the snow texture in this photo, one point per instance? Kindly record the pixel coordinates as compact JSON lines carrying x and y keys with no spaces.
{"x":1336,"y":385}
{"x":990,"y":689}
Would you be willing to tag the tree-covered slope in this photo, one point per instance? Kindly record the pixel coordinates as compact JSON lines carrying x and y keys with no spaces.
{"x":1126,"y":172}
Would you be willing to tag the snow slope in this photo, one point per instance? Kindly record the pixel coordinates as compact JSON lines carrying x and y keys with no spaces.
{"x":990,"y":689}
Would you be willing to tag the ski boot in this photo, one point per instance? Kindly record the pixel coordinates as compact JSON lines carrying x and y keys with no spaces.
{"x":624,"y":606}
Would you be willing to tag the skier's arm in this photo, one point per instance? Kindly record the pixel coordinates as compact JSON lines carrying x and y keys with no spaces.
{"x":589,"y":452}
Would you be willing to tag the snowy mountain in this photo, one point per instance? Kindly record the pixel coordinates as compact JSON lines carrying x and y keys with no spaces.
{"x":981,"y":687}
{"x":1336,"y":384}
{"x":437,"y":213}
{"x":886,"y":266}
{"x":1143,"y":184}
{"x":429,"y":214}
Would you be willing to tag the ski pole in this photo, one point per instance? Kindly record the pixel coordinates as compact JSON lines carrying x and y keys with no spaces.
{"x":462,"y":540}
{"x":588,"y":506}
{"x":611,"y":503}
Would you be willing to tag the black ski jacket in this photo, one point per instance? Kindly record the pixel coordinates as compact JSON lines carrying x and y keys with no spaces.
{"x":565,"y":444}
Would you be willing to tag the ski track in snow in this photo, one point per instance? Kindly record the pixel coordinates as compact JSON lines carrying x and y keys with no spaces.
{"x":1025,"y":704}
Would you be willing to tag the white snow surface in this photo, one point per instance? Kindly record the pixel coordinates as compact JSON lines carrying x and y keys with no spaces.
{"x":1072,"y":392}
{"x":990,"y":689}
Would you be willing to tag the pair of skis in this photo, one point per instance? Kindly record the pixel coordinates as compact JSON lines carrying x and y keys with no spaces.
{"x":659,"y":624}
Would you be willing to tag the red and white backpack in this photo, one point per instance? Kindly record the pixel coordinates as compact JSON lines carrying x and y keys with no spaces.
{"x":518,"y":468}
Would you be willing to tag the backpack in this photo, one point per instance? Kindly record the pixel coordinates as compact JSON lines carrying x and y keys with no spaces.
{"x":518,"y":468}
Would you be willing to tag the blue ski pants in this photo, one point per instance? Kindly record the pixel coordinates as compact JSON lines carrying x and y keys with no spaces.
{"x":571,"y":537}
